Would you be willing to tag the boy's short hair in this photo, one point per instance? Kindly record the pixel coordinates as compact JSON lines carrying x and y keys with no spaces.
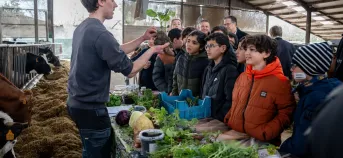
{"x":220,"y":28}
{"x":174,"y":33}
{"x":263,"y":43}
{"x":90,"y":5}
{"x":232,"y":35}
{"x":161,"y":38}
{"x":221,"y":39}
{"x":187,"y":31}
{"x":200,"y":38}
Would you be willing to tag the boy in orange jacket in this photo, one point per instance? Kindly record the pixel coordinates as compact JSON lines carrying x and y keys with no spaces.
{"x":262,"y":102}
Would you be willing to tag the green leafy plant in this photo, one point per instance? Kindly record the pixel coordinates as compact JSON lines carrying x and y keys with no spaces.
{"x":192,"y":102}
{"x":148,"y":99}
{"x":115,"y":100}
{"x":161,"y":17}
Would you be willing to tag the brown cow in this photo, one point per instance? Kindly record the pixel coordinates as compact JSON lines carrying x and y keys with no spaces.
{"x":14,"y":102}
{"x":14,"y":115}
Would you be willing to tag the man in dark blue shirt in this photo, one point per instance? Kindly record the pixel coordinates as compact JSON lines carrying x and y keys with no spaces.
{"x":285,"y":50}
{"x":95,"y":52}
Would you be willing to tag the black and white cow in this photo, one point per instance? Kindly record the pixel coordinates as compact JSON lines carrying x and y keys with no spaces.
{"x":37,"y":63}
{"x":9,"y":131}
{"x":52,"y":59}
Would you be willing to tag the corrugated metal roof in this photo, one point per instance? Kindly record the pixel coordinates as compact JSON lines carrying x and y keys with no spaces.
{"x":327,"y":15}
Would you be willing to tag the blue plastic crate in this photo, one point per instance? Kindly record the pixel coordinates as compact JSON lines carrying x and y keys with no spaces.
{"x":170,"y":103}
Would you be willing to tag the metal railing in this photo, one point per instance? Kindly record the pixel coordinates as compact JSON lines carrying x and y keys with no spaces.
{"x":13,"y":61}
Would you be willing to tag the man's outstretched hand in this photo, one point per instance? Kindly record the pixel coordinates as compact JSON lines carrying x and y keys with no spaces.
{"x":150,"y":33}
{"x":159,"y":49}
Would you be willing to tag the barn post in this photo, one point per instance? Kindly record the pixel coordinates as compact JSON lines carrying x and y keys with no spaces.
{"x":308,"y":26}
{"x":267,"y":23}
{"x":51,"y":20}
{"x":46,"y":26}
{"x":1,"y":11}
{"x":35,"y":2}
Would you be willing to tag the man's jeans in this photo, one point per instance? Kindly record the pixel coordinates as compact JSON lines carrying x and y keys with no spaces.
{"x":96,"y":132}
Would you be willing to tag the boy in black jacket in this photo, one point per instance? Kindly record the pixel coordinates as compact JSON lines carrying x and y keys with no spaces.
{"x":220,"y":75}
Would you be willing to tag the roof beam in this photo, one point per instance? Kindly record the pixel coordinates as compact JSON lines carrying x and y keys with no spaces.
{"x":330,"y":7}
{"x":334,"y":13}
{"x":277,"y":8}
{"x":323,"y":29}
{"x":277,"y":15}
{"x":295,"y":18}
{"x":331,"y":33}
{"x":318,"y":10}
{"x":266,"y":4}
{"x":286,"y":13}
{"x":320,"y":2}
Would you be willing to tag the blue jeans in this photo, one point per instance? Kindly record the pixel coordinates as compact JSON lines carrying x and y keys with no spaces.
{"x":96,"y":132}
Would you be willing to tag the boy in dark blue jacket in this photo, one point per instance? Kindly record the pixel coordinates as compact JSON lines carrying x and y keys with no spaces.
{"x":310,"y":64}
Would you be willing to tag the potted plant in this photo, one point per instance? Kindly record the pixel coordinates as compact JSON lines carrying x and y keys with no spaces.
{"x":161,"y":17}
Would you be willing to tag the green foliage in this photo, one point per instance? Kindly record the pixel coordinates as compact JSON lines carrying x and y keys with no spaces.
{"x":115,"y":100}
{"x":161,"y":17}
{"x":192,"y":102}
{"x":148,"y":99}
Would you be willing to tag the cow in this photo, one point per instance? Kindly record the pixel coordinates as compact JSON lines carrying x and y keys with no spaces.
{"x":9,"y":131}
{"x":50,"y":56}
{"x":15,"y":115}
{"x":37,"y":63}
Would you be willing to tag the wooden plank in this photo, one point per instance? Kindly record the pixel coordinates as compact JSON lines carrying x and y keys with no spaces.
{"x":9,"y":64}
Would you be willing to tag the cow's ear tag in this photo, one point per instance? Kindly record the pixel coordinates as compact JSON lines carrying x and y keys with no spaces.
{"x":9,"y":135}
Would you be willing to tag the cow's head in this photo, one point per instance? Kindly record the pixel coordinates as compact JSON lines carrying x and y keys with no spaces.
{"x":9,"y":131}
{"x":15,"y":102}
{"x":50,"y":56}
{"x":41,"y":66}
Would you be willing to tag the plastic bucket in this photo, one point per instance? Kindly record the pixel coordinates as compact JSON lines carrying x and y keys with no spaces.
{"x":148,"y":139}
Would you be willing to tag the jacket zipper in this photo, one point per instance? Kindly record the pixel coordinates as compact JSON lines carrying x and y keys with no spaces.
{"x":246,"y":105}
{"x":189,"y":60}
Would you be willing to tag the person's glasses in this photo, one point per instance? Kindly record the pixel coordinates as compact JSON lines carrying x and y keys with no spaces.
{"x":227,"y":24}
{"x":209,"y":46}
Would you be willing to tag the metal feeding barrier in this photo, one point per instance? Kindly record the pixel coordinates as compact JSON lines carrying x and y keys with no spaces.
{"x":13,"y":62}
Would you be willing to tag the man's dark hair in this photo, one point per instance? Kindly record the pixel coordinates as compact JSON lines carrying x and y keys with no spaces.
{"x":276,"y":31}
{"x":221,"y":39}
{"x":90,"y":5}
{"x":263,"y":43}
{"x":232,"y":35}
{"x":174,"y":34}
{"x":220,"y":28}
{"x":200,"y":38}
{"x":187,"y":31}
{"x":233,"y":19}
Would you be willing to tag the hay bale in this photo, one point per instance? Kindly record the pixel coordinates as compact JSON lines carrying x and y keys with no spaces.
{"x":51,"y":133}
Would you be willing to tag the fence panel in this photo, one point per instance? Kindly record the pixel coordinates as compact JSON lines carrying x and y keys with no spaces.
{"x":13,"y":61}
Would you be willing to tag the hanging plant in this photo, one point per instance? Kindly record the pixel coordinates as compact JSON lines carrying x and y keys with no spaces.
{"x":161,"y":17}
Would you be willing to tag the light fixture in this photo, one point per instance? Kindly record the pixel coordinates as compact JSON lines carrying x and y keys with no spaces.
{"x":289,"y":3}
{"x":299,"y":9}
{"x":326,"y":22}
{"x":318,"y":18}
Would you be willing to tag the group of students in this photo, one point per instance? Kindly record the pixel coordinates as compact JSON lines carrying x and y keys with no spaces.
{"x":245,"y":79}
